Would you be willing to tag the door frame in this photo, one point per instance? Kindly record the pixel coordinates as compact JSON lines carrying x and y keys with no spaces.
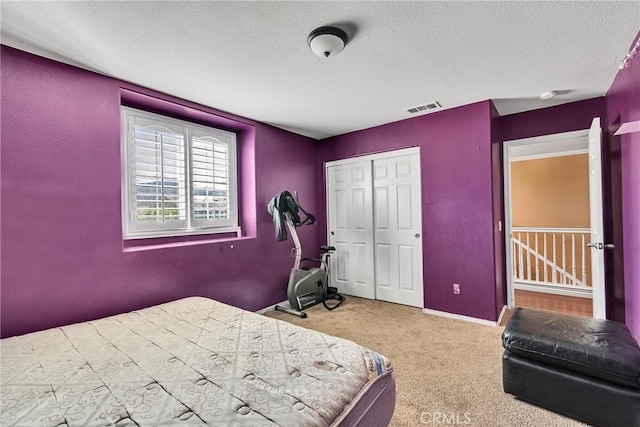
{"x":371,"y":158}
{"x":553,"y":145}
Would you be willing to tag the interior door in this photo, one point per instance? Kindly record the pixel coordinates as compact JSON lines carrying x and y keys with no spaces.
{"x":595,"y":202}
{"x":398,"y":230}
{"x":350,"y":226}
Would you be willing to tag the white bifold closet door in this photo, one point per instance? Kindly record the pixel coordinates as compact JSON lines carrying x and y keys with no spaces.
{"x":398,"y":230}
{"x":374,"y":221}
{"x":350,"y":226}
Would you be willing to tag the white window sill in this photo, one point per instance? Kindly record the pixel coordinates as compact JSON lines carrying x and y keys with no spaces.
{"x":178,"y":242}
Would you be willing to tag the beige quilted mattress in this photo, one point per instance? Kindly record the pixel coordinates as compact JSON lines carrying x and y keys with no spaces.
{"x":193,"y":361}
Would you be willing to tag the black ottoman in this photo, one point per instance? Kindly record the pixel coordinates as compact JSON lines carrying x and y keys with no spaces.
{"x":587,"y":369}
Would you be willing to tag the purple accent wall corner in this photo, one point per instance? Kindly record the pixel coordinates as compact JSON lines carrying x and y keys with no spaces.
{"x":62,"y":250}
{"x":623,"y":105}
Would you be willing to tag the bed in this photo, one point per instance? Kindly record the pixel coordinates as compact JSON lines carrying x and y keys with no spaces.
{"x":193,"y":361}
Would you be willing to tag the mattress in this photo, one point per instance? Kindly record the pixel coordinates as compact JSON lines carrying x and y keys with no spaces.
{"x":194,"y":361}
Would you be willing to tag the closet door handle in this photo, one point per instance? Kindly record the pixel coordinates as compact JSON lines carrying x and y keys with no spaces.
{"x":417,"y":235}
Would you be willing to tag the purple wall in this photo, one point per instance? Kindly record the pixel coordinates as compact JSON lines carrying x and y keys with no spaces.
{"x":623,"y":105}
{"x":457,"y":217}
{"x":62,"y":251}
{"x":545,"y":121}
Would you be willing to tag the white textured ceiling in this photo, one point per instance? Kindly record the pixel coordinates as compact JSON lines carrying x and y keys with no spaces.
{"x":251,"y":58}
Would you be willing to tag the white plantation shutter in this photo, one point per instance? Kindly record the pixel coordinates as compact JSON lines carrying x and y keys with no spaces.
{"x":179,"y":177}
{"x":157,"y":189}
{"x":212,"y":176}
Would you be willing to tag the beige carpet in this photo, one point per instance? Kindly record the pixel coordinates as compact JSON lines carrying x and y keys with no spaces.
{"x":448,"y":372}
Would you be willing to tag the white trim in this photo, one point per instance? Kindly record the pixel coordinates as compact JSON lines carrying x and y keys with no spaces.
{"x":550,"y":155}
{"x":555,"y":289}
{"x":192,"y":232}
{"x":374,"y":156}
{"x":554,"y":145}
{"x":507,"y":224}
{"x":549,"y":138}
{"x":550,"y":230}
{"x":460,"y":317}
{"x":273,"y":307}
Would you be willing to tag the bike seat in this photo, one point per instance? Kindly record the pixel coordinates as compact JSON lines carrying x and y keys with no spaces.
{"x":325,"y":248}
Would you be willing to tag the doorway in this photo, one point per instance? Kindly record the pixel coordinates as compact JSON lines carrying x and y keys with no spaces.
{"x":553,"y":207}
{"x":374,"y":220}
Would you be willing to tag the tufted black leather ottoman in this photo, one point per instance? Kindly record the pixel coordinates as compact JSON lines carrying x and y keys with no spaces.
{"x":587,"y":369}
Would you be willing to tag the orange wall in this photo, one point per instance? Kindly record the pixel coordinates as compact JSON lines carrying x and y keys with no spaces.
{"x":551,"y":192}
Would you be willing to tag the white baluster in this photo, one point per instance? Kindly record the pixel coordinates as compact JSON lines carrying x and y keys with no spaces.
{"x":573,"y":258}
{"x":536,"y":259}
{"x":555,"y":264}
{"x":584,"y":264}
{"x":513,"y":256}
{"x":546,"y":276}
{"x":564,"y":260}
{"x":521,"y":266}
{"x":528,"y":258}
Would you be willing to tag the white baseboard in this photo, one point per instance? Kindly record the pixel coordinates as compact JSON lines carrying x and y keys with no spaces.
{"x":555,"y":289}
{"x":272,"y":307}
{"x":460,"y":317}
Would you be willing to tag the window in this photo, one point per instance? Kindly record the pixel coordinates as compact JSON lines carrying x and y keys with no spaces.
{"x":179,"y":177}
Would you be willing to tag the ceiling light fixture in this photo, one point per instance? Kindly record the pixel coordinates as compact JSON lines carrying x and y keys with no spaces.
{"x":327,"y":41}
{"x":548,"y":95}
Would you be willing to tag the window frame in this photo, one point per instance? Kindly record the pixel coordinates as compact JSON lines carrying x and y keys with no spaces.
{"x":132,"y":229}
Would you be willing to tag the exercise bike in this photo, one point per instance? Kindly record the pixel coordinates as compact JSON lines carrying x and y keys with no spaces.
{"x":307,"y":286}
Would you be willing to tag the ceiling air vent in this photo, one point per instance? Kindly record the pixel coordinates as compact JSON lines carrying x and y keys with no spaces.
{"x":425,"y":107}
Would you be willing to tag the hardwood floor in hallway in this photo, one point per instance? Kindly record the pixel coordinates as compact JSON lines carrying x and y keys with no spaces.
{"x":559,"y":303}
